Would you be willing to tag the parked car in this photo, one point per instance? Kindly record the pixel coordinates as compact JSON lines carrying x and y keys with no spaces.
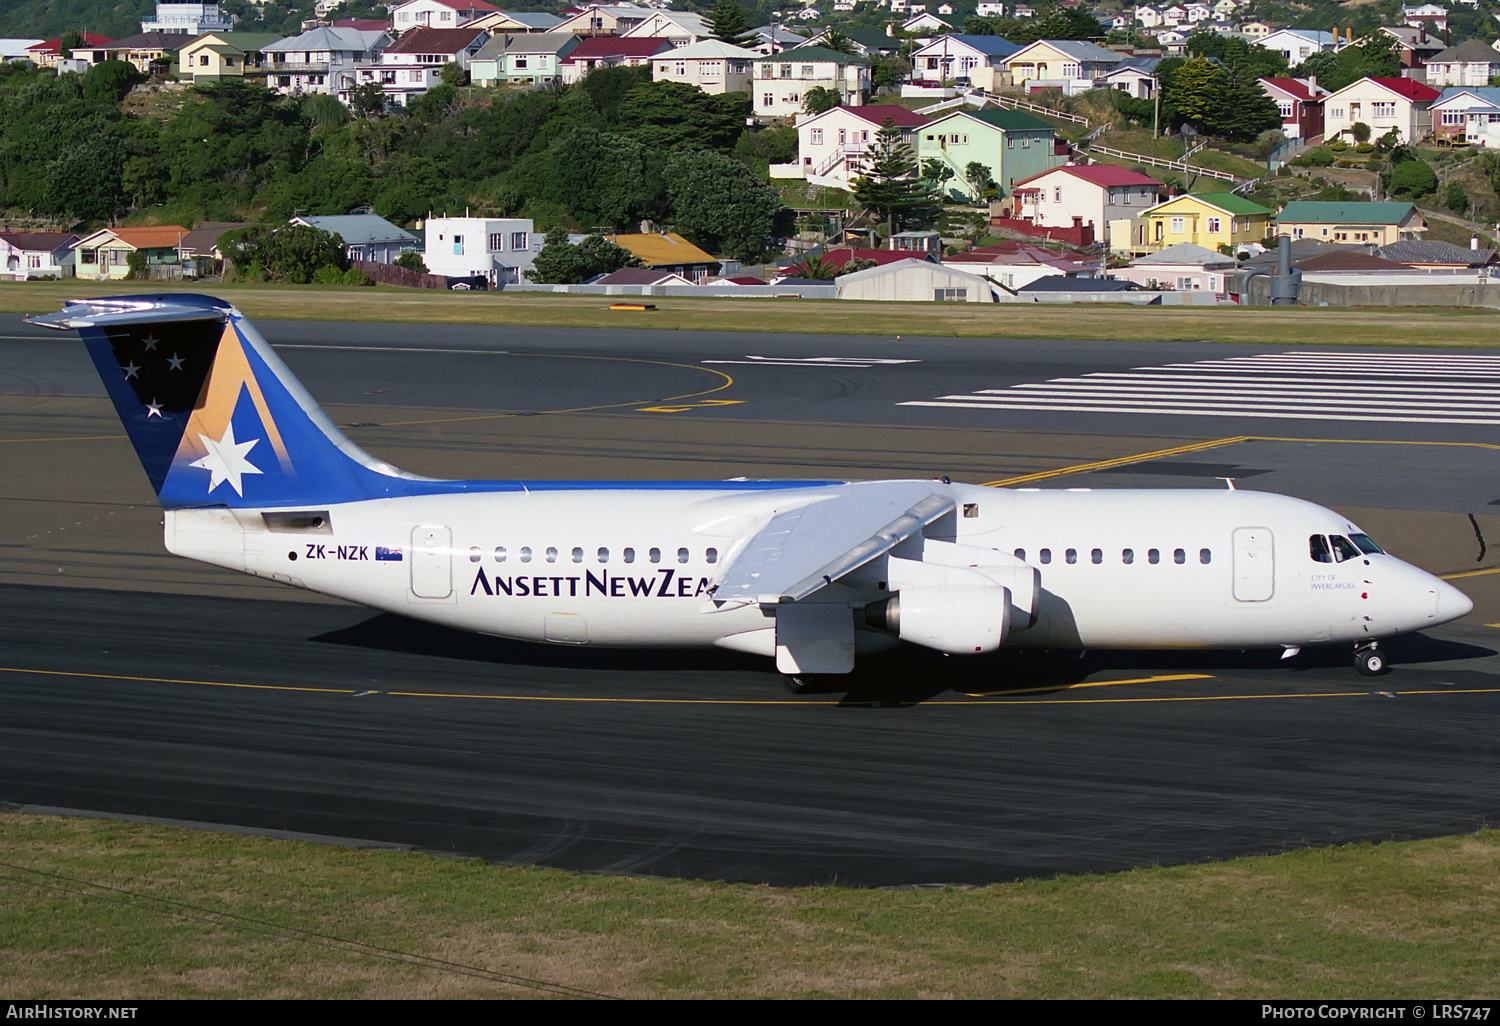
{"x":472,"y":283}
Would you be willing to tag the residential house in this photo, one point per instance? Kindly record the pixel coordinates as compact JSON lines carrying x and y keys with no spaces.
{"x":611,"y":52}
{"x":973,"y":60}
{"x":1149,"y":17}
{"x":681,"y":27}
{"x":711,"y":65}
{"x":500,"y":250}
{"x":48,"y":52}
{"x":915,"y":281}
{"x":641,"y":277}
{"x":188,"y":19}
{"x":990,"y":9}
{"x":36,"y":254}
{"x":1301,"y":102}
{"x":198,"y":250}
{"x":224,"y":55}
{"x":833,"y":146}
{"x":532,"y":58}
{"x":1017,"y":264}
{"x":1011,"y":145}
{"x":322,"y":61}
{"x":1468,"y":116}
{"x":924,"y":27}
{"x":16,"y":50}
{"x":1470,"y":63}
{"x":1435,"y":256}
{"x":1185,"y":267}
{"x":414,"y":63}
{"x":1384,"y":104}
{"x":365,"y":236}
{"x":1071,"y":65}
{"x":1079,"y":194}
{"x":1297,"y":45}
{"x":1134,"y":76}
{"x":865,"y":42}
{"x":147,"y":52}
{"x":773,"y":39}
{"x":516,"y":22}
{"x":1414,"y":47}
{"x":668,"y":251}
{"x":1429,"y":17}
{"x":1376,"y":224}
{"x":105,"y":253}
{"x":1210,"y":220}
{"x":1172,"y":41}
{"x":782,"y":81}
{"x":1256,"y":30}
{"x":439,"y":14}
{"x":604,"y":20}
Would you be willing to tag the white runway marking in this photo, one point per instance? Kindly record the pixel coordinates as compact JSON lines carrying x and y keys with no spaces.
{"x":1387,"y":387}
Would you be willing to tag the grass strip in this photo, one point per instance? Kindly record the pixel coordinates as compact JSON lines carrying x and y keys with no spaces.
{"x":1359,"y":326}
{"x":103,"y":909}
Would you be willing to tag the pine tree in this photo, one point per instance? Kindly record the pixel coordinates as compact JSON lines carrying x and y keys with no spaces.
{"x":891,"y":187}
{"x":730,"y":24}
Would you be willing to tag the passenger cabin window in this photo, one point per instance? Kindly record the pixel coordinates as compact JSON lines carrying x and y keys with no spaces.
{"x":1021,"y":555}
{"x":1317,"y":547}
{"x":475,"y":555}
{"x":1127,"y":556}
{"x":1071,"y":555}
{"x":1045,"y":555}
{"x":1205,"y":556}
{"x":603,"y":554}
{"x":499,"y":553}
{"x":1153,"y":556}
{"x":1097,"y":556}
{"x":682,"y":555}
{"x":526,"y":554}
{"x":712,"y":555}
{"x":1179,"y":556}
{"x":551,"y":554}
{"x":577,"y":555}
{"x":655,"y":555}
{"x":629,"y":554}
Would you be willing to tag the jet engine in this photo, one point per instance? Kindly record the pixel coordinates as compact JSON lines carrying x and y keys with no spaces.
{"x":957,"y":598}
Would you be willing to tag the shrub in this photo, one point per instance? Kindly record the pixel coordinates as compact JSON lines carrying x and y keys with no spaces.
{"x":411,"y":259}
{"x":327,"y":275}
{"x":1365,"y":147}
{"x":354,"y":276}
{"x":136,"y":261}
{"x":1338,"y":146}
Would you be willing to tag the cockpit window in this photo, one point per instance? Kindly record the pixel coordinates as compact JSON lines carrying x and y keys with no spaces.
{"x":1343,"y":548}
{"x":1318,"y":547}
{"x":1365,"y":544}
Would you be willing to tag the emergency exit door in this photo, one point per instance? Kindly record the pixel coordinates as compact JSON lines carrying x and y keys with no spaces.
{"x":431,"y":562}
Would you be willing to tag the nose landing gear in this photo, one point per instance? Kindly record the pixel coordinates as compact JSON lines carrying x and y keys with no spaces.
{"x":1370,"y":661}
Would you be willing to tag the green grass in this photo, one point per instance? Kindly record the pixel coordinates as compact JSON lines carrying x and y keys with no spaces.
{"x":101,"y":909}
{"x":1405,"y":326}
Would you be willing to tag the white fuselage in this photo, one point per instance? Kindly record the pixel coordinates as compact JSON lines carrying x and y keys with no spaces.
{"x":621,"y":566}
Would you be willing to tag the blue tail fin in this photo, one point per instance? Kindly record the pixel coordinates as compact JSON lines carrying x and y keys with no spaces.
{"x":214,"y":415}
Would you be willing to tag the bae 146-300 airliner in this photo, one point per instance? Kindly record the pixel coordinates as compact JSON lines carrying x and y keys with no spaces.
{"x":253,"y":476}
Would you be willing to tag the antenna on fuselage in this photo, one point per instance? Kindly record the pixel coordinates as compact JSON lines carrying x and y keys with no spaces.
{"x":1228,"y":481}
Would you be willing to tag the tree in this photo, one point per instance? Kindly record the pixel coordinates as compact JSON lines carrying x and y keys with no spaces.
{"x":979,"y":178}
{"x":562,"y":263}
{"x":838,"y":42}
{"x":1414,"y":178}
{"x":453,"y":74}
{"x":817,"y":100}
{"x":108,"y":81}
{"x":730,"y":24}
{"x":411,"y":259}
{"x":673,"y":115}
{"x":367,"y":100}
{"x":1194,"y":88}
{"x":720,"y":204}
{"x":285,"y":252}
{"x":937,"y":173}
{"x":890,"y":188}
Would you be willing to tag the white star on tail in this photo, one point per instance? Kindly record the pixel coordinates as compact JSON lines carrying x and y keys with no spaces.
{"x":226,"y":460}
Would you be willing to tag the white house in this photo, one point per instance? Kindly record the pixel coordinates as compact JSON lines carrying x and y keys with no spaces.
{"x":1383,"y":104}
{"x":188,"y":19}
{"x":1470,"y":63}
{"x":990,"y":9}
{"x":1297,"y":45}
{"x":35,"y":254}
{"x":711,"y":65}
{"x":1468,"y":115}
{"x":316,"y":61}
{"x":1069,"y":64}
{"x":438,"y":14}
{"x":1185,"y":267}
{"x":1085,"y":194}
{"x":782,"y":80}
{"x":978,"y":60}
{"x":915,"y":281}
{"x":500,"y":250}
{"x":414,"y":63}
{"x":1134,"y":76}
{"x":604,"y":20}
{"x":1425,"y":16}
{"x":832,"y":146}
{"x":681,"y":27}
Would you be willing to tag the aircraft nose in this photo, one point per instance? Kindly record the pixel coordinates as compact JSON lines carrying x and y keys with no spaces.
{"x":1451,"y":603}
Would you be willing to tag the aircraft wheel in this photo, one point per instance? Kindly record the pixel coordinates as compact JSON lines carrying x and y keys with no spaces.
{"x":797,"y":684}
{"x":1371,"y":662}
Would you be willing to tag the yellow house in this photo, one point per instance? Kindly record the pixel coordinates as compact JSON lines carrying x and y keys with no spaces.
{"x":104,"y":254}
{"x":1209,"y":220}
{"x":218,"y":55}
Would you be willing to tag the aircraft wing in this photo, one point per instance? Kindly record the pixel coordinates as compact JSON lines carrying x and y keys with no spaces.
{"x":806,"y":548}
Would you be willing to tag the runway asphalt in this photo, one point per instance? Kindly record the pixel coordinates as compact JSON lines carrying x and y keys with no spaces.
{"x":121,"y":666}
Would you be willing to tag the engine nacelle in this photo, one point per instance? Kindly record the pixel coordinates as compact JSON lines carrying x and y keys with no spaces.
{"x":952,"y":609}
{"x":1021,"y":579}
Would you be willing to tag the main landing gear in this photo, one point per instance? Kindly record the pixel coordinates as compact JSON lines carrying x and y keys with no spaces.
{"x":1370,"y":661}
